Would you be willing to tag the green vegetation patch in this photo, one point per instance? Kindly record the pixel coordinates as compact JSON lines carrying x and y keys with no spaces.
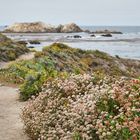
{"x":10,"y":50}
{"x":58,"y":60}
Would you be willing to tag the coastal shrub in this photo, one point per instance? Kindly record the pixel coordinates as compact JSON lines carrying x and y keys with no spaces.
{"x":10,"y":50}
{"x":30,"y":75}
{"x":34,"y":74}
{"x":82,"y":107}
{"x":32,"y":85}
{"x":87,"y":61}
{"x":58,"y":59}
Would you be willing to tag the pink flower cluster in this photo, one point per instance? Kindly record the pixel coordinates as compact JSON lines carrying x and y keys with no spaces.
{"x":80,"y":107}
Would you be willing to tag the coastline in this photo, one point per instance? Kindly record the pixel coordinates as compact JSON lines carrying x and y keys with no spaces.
{"x":124,"y":45}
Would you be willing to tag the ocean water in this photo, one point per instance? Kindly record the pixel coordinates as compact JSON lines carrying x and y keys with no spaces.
{"x":124,"y":29}
{"x":126,"y":45}
{"x":2,"y":28}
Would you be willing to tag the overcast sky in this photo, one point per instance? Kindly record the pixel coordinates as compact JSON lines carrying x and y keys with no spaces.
{"x":82,"y":12}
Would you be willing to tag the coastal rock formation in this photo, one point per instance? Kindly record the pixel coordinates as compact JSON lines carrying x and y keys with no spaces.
{"x":69,"y":28}
{"x":33,"y":27}
{"x":40,"y":27}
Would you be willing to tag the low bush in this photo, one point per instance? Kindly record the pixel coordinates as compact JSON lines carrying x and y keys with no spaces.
{"x":58,"y":59}
{"x":10,"y":50}
{"x":84,"y":107}
{"x":30,"y":75}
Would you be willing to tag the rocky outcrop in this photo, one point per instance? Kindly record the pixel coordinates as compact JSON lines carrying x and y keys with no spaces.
{"x":70,"y":28}
{"x":40,"y":27}
{"x":33,"y":27}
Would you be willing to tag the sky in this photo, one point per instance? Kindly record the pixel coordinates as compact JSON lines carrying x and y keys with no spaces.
{"x":82,"y":12}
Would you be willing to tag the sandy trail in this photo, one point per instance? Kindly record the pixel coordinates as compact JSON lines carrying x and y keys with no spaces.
{"x":11,"y":127}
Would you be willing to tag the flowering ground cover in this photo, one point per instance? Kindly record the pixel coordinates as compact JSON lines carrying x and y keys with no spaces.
{"x":84,"y":107}
{"x":61,"y":60}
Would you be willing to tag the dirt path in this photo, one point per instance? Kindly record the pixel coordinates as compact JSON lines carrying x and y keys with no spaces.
{"x":11,"y":127}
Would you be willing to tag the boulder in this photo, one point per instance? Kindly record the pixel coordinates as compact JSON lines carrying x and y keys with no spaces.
{"x":92,"y":35}
{"x":70,"y":28}
{"x":31,"y":47}
{"x":77,"y":36}
{"x":107,"y":35}
{"x":34,"y":42}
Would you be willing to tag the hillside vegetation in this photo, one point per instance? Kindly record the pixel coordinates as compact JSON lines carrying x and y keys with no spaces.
{"x":78,"y":95}
{"x":10,"y":50}
{"x":84,"y":108}
{"x":61,"y":60}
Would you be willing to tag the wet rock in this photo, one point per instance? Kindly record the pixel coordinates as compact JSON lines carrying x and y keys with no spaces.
{"x":31,"y":47}
{"x":34,"y":42}
{"x":107,"y":35}
{"x":92,"y":35}
{"x":77,"y":36}
{"x":69,"y":36}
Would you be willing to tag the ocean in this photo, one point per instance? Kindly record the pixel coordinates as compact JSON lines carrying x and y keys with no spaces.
{"x":124,"y":29}
{"x":126,"y":45}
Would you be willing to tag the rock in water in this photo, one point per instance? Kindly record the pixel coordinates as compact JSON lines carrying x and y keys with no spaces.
{"x":92,"y":35}
{"x":70,"y":28}
{"x":37,"y":42}
{"x":77,"y":36}
{"x":33,"y":27}
{"x":107,"y":35}
{"x":40,"y":27}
